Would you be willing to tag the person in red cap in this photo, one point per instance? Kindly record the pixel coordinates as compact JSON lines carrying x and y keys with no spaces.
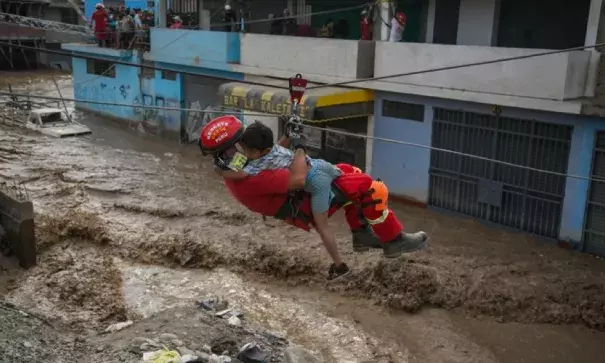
{"x":100,"y":18}
{"x":366,"y":25}
{"x":397,"y":27}
{"x":276,"y":192}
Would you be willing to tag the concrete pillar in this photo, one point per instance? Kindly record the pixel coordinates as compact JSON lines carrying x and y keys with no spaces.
{"x":593,"y":29}
{"x":595,"y":33}
{"x":161,"y":14}
{"x":478,"y":22}
{"x":430,"y":21}
{"x":576,"y":190}
{"x":384,"y":11}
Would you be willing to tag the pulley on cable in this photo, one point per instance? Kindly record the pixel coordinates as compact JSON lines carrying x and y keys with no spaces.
{"x":297,"y":86}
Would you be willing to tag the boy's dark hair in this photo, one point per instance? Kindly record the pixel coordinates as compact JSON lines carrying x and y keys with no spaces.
{"x":257,"y":136}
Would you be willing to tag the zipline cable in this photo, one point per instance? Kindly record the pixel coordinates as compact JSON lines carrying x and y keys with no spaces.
{"x":338,"y":132}
{"x":344,"y":84}
{"x":80,"y":56}
{"x":463,"y":65}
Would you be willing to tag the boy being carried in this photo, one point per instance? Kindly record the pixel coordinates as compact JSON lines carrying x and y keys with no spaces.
{"x":262,"y":154}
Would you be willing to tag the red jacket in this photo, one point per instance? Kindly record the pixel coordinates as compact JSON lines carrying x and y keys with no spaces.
{"x":366,"y":29}
{"x":100,"y":19}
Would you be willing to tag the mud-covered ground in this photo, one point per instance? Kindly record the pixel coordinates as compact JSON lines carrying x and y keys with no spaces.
{"x":117,"y":194}
{"x":168,"y":207}
{"x":27,"y":338}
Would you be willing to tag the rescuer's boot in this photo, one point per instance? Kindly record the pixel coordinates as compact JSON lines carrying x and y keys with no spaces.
{"x":405,"y":243}
{"x":364,"y":239}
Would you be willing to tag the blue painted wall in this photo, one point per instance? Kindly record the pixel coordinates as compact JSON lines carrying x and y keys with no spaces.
{"x":89,"y":7}
{"x":123,"y":88}
{"x":405,"y":168}
{"x":195,"y":48}
{"x":136,"y":4}
{"x":166,"y":93}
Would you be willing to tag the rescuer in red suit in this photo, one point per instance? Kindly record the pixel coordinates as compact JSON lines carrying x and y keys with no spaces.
{"x":100,"y":20}
{"x":276,"y":193}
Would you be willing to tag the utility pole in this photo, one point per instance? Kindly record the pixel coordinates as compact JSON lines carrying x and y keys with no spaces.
{"x":384,"y":11}
{"x":161,"y":15}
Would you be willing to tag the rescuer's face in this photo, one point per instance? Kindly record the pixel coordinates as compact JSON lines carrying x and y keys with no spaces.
{"x":230,"y":152}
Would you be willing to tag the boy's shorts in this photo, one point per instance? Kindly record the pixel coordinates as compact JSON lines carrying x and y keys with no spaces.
{"x":319,"y":184}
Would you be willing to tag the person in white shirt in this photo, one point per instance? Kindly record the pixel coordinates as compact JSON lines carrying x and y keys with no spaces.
{"x":397,"y":27}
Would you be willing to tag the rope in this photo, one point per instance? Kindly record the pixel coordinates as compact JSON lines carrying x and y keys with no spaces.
{"x":338,"y":132}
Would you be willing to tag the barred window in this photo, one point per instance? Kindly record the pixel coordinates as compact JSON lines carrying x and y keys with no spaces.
{"x":100,"y":68}
{"x":171,"y":76}
{"x":402,"y":110}
{"x":148,"y":72}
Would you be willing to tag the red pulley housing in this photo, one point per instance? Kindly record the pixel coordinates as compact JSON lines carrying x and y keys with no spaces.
{"x":298,"y":86}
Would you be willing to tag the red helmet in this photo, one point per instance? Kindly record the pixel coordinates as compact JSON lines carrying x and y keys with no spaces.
{"x":401,"y":17}
{"x":220,"y":134}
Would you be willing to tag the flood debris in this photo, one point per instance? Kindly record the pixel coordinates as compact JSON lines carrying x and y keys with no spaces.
{"x":251,"y":353}
{"x":118,"y":326}
{"x":299,"y":355}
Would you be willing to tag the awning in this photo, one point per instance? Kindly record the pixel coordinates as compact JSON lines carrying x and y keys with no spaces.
{"x":322,"y":104}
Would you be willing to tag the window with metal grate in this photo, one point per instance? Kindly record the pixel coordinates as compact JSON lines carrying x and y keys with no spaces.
{"x":101,"y":68}
{"x":403,"y":110}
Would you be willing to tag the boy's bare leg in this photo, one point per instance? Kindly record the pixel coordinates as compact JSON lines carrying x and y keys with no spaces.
{"x":327,"y":237}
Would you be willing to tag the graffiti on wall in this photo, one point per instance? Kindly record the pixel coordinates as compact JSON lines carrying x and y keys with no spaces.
{"x":146,"y":118}
{"x":104,"y":92}
{"x":155,"y":121}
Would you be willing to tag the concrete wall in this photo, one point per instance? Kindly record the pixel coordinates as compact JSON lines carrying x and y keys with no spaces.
{"x":282,"y":56}
{"x":478,"y":22}
{"x":555,"y":77}
{"x":17,"y":226}
{"x":123,"y":89}
{"x":161,"y":92}
{"x":89,"y":7}
{"x":195,"y":48}
{"x":405,"y":168}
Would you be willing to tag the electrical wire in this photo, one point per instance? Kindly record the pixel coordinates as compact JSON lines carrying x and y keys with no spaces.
{"x":324,"y":12}
{"x":81,"y":56}
{"x":123,"y":58}
{"x":338,"y":132}
{"x":321,"y":84}
{"x":225,"y":24}
{"x":463,"y":65}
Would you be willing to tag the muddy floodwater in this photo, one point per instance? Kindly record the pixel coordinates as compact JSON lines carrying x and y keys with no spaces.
{"x":129,"y":225}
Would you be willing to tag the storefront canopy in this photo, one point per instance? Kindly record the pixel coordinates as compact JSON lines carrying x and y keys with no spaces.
{"x":317,"y":104}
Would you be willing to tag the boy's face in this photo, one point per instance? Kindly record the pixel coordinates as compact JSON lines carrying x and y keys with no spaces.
{"x":252,"y":154}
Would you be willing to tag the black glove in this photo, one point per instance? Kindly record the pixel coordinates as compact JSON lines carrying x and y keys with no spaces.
{"x":219,"y":163}
{"x":298,"y":142}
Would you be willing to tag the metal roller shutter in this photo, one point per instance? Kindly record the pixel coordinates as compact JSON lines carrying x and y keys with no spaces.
{"x":508,"y":195}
